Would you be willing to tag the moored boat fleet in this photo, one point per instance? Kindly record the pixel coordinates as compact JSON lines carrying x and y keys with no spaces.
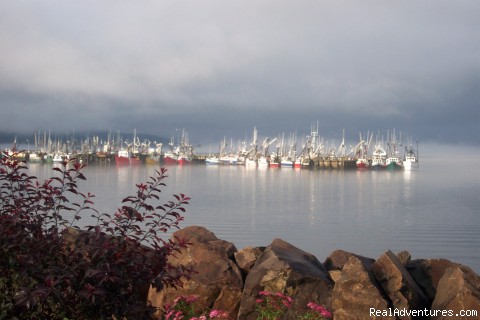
{"x":314,"y":153}
{"x":278,"y":152}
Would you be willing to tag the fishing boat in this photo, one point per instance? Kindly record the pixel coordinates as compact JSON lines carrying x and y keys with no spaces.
{"x":152,"y":159}
{"x":212,"y":160}
{"x":362,"y":163}
{"x":361,"y":151}
{"x":58,"y":157}
{"x":286,"y":163}
{"x":234,"y":159}
{"x":179,"y":154}
{"x":124,"y":157}
{"x":274,"y":160}
{"x":298,"y":163}
{"x":170,"y":158}
{"x":151,"y":155}
{"x":410,"y":159}
{"x":393,"y":163}
{"x":274,"y":164}
{"x":184,"y":159}
{"x":379,"y":157}
{"x":35,"y":157}
{"x":262,"y":162}
{"x":250,"y":162}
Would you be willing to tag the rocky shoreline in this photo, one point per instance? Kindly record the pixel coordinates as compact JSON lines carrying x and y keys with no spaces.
{"x":349,"y":285}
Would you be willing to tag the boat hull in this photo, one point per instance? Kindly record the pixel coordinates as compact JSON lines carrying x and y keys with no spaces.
{"x":286,"y":163}
{"x":213,"y":161}
{"x":362,"y":164}
{"x":126,"y":160}
{"x":150,"y":160}
{"x":394,"y":166}
{"x":409,"y":165}
{"x":184,"y":161}
{"x":377,"y":166}
{"x":169,"y":160}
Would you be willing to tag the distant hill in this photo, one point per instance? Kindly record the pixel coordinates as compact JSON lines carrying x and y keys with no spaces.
{"x":23,"y":138}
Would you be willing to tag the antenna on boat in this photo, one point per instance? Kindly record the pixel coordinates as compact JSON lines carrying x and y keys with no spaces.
{"x":418,"y":157}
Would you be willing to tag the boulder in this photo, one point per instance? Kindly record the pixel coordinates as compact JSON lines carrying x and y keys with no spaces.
{"x":356,"y":292}
{"x":289,"y":270}
{"x":335,"y":274}
{"x":217,"y":281}
{"x":337,"y":259}
{"x":458,"y":290}
{"x":428,"y":272}
{"x":404,"y":257}
{"x":247,"y":257}
{"x":398,"y":284}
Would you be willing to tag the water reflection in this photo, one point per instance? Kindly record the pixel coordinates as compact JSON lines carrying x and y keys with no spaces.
{"x":365,"y":212}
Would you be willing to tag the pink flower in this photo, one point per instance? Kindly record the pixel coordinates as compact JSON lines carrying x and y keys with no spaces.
{"x":191,"y":299}
{"x":178,"y":299}
{"x":319,"y":309}
{"x":286,"y":303}
{"x":169,"y":314}
{"x":258,"y":301}
{"x":265,"y":293}
{"x":326,"y":313}
{"x":219,"y":314}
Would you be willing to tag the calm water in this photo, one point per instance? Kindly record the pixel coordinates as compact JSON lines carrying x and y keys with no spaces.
{"x":431,"y":212}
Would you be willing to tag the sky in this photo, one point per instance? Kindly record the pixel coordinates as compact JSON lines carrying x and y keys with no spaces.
{"x":219,"y":68}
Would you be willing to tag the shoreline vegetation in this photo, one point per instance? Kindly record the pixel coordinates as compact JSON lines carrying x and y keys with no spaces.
{"x":123,"y":268}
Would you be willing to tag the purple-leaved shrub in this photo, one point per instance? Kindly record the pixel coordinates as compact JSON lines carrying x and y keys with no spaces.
{"x":50,"y":269}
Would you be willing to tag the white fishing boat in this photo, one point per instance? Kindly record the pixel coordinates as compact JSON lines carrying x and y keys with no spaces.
{"x":35,"y":157}
{"x":286,"y":163}
{"x":250,"y":162}
{"x":379,"y":157}
{"x":212,"y":160}
{"x":410,"y":160}
{"x":262,"y":162}
{"x":59,"y":157}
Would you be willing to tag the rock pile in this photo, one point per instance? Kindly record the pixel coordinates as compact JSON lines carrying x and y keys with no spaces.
{"x":351,"y":286}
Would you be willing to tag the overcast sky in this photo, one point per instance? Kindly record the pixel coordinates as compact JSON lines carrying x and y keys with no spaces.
{"x":218,"y":68}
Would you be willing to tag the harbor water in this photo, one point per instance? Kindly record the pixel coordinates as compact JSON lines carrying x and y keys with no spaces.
{"x":432,"y":212}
